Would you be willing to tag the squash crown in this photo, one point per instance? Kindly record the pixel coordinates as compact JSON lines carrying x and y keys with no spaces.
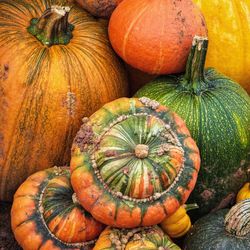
{"x":52,"y":27}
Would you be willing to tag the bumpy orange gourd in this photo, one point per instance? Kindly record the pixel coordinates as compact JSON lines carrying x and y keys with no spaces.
{"x":50,"y":77}
{"x":46,"y":214}
{"x":179,"y":223}
{"x":155,"y":36}
{"x":103,"y":8}
{"x":147,"y":238}
{"x":228,"y":24}
{"x":133,"y":163}
{"x":244,"y":193}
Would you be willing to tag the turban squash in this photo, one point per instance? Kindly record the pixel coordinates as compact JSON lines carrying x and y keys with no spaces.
{"x":133,"y":162}
{"x":148,"y":238}
{"x":55,"y":67}
{"x":46,"y":215}
{"x":216,"y":111}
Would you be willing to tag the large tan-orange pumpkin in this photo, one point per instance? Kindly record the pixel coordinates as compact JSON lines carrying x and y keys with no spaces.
{"x":155,"y":36}
{"x":50,"y":77}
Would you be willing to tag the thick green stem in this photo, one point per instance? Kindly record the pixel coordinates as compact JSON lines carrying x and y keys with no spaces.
{"x":195,"y":76}
{"x":189,"y":207}
{"x":53,"y":26}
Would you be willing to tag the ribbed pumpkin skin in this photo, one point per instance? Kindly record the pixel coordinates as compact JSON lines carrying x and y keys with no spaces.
{"x":133,"y":162}
{"x":218,"y":118}
{"x":45,"y":91}
{"x":230,"y":20}
{"x":44,"y":215}
{"x":99,"y":8}
{"x":138,"y":239}
{"x":209,"y":233}
{"x":155,"y":36}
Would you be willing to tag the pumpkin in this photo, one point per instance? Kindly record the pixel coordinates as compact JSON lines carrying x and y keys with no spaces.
{"x":50,"y":76}
{"x":179,"y":223}
{"x":148,"y":238}
{"x":46,"y":215}
{"x":155,"y":36}
{"x":244,"y":193}
{"x":222,"y":230}
{"x":99,"y":8}
{"x":229,"y":33}
{"x":133,"y":162}
{"x":216,"y":110}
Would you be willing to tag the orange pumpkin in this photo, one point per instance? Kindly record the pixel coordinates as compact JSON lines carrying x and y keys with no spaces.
{"x":99,"y":8}
{"x":46,"y":215}
{"x":155,"y":36}
{"x":50,"y":77}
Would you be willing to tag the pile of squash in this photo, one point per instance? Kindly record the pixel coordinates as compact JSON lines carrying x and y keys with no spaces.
{"x":115,"y":94}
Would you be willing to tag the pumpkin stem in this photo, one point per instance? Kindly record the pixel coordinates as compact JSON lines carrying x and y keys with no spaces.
{"x":237,"y":220}
{"x":53,"y":26}
{"x":189,"y":207}
{"x":195,"y":76}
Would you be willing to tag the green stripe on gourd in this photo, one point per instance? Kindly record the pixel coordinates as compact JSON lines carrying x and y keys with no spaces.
{"x":133,"y":154}
{"x":217,"y":112}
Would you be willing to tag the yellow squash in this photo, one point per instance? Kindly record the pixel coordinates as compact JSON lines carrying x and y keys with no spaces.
{"x":179,"y":223}
{"x":228,"y":23}
{"x":244,"y":193}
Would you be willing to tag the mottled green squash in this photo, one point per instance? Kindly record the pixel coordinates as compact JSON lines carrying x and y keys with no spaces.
{"x":133,"y":163}
{"x":217,"y":113}
{"x":222,"y":230}
{"x":147,"y":238}
{"x":46,"y":214}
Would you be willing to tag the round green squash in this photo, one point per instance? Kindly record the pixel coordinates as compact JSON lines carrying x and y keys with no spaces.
{"x":222,"y":230}
{"x":133,"y":163}
{"x":217,"y":113}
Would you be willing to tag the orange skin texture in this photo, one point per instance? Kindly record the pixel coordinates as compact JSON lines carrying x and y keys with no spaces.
{"x":99,"y":8}
{"x":37,"y":119}
{"x":153,"y":215}
{"x":128,"y":218}
{"x":73,"y":227}
{"x":155,"y":36}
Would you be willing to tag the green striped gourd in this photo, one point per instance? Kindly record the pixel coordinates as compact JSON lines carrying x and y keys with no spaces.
{"x":133,"y":163}
{"x":217,"y":113}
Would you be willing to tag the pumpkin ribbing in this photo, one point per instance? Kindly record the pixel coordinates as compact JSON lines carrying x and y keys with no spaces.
{"x":216,"y":110}
{"x":133,"y":159}
{"x":46,"y":90}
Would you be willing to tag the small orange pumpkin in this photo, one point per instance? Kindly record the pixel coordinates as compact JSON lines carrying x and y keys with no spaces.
{"x":155,"y":36}
{"x":46,"y":215}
